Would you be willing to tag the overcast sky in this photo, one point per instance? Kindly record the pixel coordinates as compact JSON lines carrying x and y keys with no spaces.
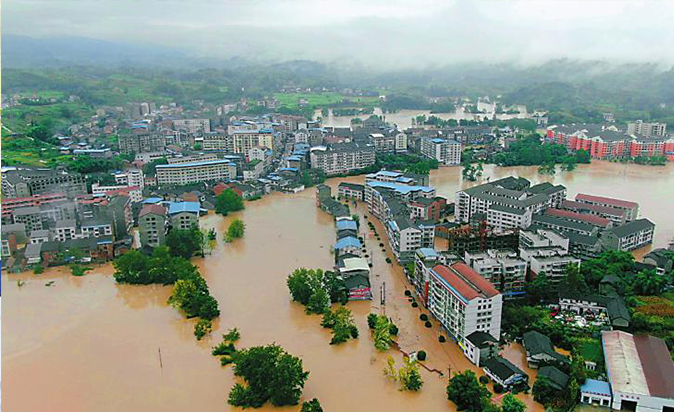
{"x":377,"y":33}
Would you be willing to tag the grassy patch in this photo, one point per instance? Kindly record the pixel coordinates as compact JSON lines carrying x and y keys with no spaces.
{"x":590,"y":350}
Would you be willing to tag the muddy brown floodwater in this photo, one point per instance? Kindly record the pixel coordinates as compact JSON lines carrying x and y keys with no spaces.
{"x":88,"y":344}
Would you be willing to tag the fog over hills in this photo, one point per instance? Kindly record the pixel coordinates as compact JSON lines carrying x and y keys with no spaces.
{"x":380,"y":35}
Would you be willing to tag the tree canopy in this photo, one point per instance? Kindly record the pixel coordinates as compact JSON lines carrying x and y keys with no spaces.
{"x":271,"y":374}
{"x":228,"y":201}
{"x":467,"y":392}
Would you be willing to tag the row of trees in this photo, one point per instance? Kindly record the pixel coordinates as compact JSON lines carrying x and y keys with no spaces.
{"x":529,"y":151}
{"x":316,"y":289}
{"x":170,"y":265}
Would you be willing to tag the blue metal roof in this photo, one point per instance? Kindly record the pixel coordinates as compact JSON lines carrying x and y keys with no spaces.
{"x":347,"y":224}
{"x":404,"y":189}
{"x":346,"y":242}
{"x":192,"y":164}
{"x":596,"y":387}
{"x":428,"y":252}
{"x":179,"y":207}
{"x":152,"y":200}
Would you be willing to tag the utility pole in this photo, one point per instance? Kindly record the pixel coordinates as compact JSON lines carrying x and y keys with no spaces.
{"x":161,"y":364}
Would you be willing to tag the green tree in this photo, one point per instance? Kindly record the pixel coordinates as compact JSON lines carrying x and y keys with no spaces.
{"x":382,"y":333}
{"x":512,"y":404}
{"x":300,"y":285}
{"x":539,"y":288}
{"x":543,"y":391}
{"x":319,"y":302}
{"x":183,"y":242}
{"x":409,"y":376}
{"x":228,"y":201}
{"x":271,"y":374}
{"x":467,"y":392}
{"x":574,"y":280}
{"x":311,"y":406}
{"x":202,"y":328}
{"x":648,"y":282}
{"x":236,"y":230}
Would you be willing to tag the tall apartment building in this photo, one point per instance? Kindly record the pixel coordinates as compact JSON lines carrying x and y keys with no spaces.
{"x":464,"y":302}
{"x":184,"y":215}
{"x":186,"y":173}
{"x":628,"y":237}
{"x":131,"y":177}
{"x":218,"y":141}
{"x":342,"y":158}
{"x":647,"y":129}
{"x":28,"y":182}
{"x":506,"y":207}
{"x":141,"y":143}
{"x":445,"y":151}
{"x":193,"y":125}
{"x":152,"y":225}
{"x":384,"y":143}
{"x":244,"y":140}
{"x":406,"y":237}
{"x":504,"y":269}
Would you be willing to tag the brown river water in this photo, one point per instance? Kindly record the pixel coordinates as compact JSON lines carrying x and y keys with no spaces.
{"x":88,"y":344}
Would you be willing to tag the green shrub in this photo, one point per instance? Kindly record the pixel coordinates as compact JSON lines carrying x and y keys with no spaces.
{"x":371,"y":320}
{"x":408,"y":293}
{"x":428,"y":324}
{"x":415,"y":305}
{"x":354,"y":332}
{"x":442,"y":339}
{"x":484,"y":379}
{"x":498,"y":388}
{"x":393,"y":329}
{"x":388,"y":260}
{"x":421,"y":355}
{"x":423,"y":317}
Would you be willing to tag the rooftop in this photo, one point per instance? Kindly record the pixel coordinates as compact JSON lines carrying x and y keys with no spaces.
{"x":632,"y":227}
{"x":465,"y":281}
{"x":179,"y":207}
{"x":607,"y":200}
{"x":193,"y":164}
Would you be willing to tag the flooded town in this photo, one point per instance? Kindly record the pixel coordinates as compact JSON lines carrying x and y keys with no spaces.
{"x":351,"y":207}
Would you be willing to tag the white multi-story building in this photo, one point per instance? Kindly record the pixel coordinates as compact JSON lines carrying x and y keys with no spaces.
{"x":218,"y":141}
{"x":400,"y":142}
{"x":131,"y":177}
{"x":259,"y":153}
{"x":500,"y":202}
{"x":245,"y":140}
{"x":342,"y":158}
{"x":186,"y":173}
{"x":406,"y":237}
{"x":445,"y":151}
{"x":504,"y":269}
{"x":551,"y":260}
{"x":464,"y":302}
{"x":506,"y":217}
{"x":647,"y":129}
{"x":193,"y":125}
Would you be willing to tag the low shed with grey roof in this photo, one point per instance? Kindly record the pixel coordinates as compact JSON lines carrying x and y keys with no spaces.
{"x":539,"y":349}
{"x":504,"y":372}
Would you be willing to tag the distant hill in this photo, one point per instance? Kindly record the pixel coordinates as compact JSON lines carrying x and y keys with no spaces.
{"x":25,"y":52}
